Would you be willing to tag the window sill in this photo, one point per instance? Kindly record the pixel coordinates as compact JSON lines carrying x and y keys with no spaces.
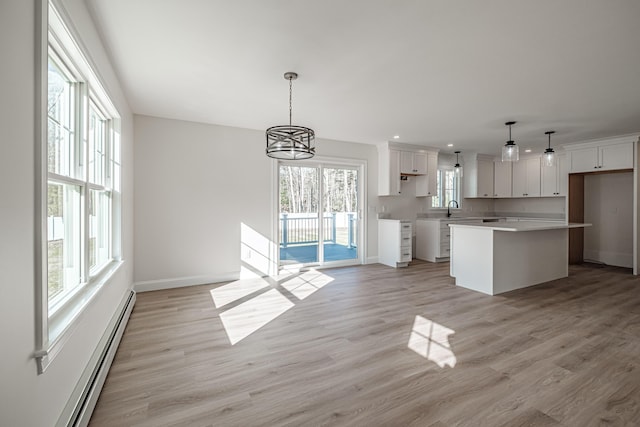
{"x":63,"y":323}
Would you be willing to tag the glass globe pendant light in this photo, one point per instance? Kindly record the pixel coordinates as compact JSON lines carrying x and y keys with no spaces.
{"x":289,"y":142}
{"x":457,"y":168}
{"x":510,"y":151}
{"x":549,"y":156}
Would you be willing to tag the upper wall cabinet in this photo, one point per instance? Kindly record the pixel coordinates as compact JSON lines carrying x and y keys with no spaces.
{"x":553,"y":179}
{"x":413,"y":163}
{"x":388,"y":172}
{"x":526,"y":178}
{"x":478,"y":176}
{"x":432,"y":175}
{"x":395,"y":160}
{"x":603,"y":155}
{"x":502,"y":182}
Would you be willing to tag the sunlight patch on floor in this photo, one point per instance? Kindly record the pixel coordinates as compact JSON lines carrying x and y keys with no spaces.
{"x":243,"y":320}
{"x":234,"y":291}
{"x":431,"y":341}
{"x":307,"y":283}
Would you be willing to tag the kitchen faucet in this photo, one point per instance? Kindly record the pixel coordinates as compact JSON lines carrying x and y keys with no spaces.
{"x":448,"y":205}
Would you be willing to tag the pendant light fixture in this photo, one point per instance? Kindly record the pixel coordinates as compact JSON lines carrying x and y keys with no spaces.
{"x":549,"y":156}
{"x":510,"y":151}
{"x":457,"y":168}
{"x":290,"y":142}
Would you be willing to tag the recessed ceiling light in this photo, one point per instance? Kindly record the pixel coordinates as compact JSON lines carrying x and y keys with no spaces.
{"x":449,"y":145}
{"x":396,"y":136}
{"x":528,"y":150}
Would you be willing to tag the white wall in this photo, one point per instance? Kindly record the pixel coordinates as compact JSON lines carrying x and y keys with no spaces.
{"x":196,"y":184}
{"x":28,"y":399}
{"x":608,"y":205}
{"x":535,"y":206}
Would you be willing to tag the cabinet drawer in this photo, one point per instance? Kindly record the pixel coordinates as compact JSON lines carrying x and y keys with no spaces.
{"x":405,"y":240}
{"x":445,"y":250}
{"x":405,"y":255}
{"x":445,"y":237}
{"x":405,"y":227}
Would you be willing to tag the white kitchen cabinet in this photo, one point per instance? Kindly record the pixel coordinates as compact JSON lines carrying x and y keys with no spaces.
{"x":394,"y":242}
{"x":432,"y":173}
{"x":478,"y":176}
{"x":601,"y":156}
{"x":413,"y":163}
{"x":433,"y":237}
{"x":426,"y":185}
{"x":502,"y":173}
{"x":485,"y":178}
{"x":395,"y":160}
{"x":553,"y":179}
{"x":526,"y":178}
{"x":389,"y":172}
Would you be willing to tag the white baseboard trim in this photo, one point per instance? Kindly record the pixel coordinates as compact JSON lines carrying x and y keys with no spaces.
{"x":617,"y":259}
{"x":180,"y":282}
{"x":82,"y":402}
{"x":372,"y":260}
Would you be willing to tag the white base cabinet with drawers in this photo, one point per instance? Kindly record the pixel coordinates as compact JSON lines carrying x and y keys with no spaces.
{"x":433,"y":238}
{"x":394,"y":242}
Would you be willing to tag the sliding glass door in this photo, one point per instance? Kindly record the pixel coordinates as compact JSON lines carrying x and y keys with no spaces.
{"x":318,"y":213}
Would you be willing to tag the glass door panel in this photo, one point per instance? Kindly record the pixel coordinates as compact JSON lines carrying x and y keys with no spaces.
{"x":299,"y":225}
{"x":340,"y":205}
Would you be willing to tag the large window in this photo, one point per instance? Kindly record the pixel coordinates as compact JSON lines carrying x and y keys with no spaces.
{"x":79,"y":185}
{"x":447,"y":188}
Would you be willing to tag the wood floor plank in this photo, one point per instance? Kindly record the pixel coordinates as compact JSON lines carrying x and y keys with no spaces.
{"x":377,"y":346}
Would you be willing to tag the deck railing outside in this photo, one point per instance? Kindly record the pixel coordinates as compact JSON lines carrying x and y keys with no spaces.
{"x":301,"y":230}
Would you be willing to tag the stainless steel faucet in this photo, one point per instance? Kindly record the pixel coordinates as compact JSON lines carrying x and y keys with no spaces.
{"x":448,"y":205}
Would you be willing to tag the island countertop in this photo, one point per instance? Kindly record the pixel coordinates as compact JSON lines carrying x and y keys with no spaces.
{"x":494,"y":258}
{"x":522,"y":225}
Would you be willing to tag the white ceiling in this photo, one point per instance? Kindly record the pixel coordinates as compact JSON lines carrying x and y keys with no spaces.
{"x":433,"y":72}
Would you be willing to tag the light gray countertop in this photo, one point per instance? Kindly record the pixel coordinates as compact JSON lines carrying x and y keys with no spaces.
{"x":522,"y":225}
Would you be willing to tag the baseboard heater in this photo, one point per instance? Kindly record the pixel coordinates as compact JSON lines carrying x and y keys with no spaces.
{"x":84,"y":398}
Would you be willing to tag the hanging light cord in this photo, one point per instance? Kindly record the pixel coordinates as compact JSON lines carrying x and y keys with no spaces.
{"x":549,"y":133}
{"x":290,"y":97}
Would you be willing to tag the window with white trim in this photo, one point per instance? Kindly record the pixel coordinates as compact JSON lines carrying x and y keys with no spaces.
{"x":447,"y":188}
{"x":80,"y":178}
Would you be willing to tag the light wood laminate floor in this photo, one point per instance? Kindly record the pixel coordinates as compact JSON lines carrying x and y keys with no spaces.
{"x":375,"y":346}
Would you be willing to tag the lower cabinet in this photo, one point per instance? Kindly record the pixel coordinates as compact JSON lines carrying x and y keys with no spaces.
{"x":394,"y":242}
{"x":433,"y":238}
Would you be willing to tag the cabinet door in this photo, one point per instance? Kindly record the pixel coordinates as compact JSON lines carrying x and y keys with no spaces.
{"x":519,"y":188}
{"x":563,"y":176}
{"x":406,"y":162}
{"x":502,"y":179}
{"x":550,"y":180}
{"x":420,"y":163}
{"x":432,"y":173}
{"x":533,"y":177}
{"x":583,"y":160}
{"x":394,"y":172}
{"x":617,"y":156}
{"x":485,"y":178}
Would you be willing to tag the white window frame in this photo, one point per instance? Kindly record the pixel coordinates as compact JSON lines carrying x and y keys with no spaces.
{"x":440,"y":191}
{"x":57,"y":319}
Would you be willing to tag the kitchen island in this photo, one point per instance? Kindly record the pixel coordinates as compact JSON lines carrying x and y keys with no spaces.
{"x":493,"y":258}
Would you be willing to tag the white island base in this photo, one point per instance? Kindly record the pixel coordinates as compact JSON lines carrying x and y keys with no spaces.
{"x":493,"y":258}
